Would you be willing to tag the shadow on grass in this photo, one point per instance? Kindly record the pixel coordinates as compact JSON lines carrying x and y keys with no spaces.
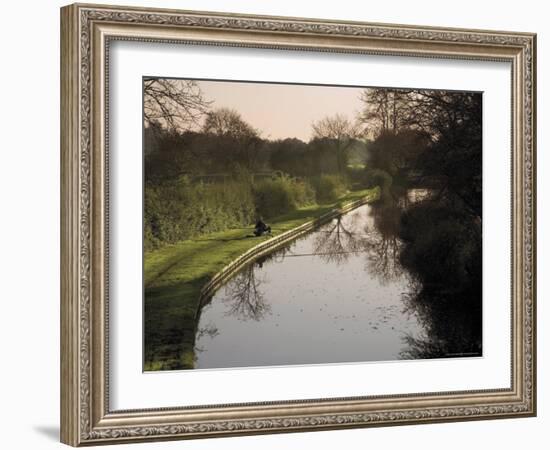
{"x":169,"y":328}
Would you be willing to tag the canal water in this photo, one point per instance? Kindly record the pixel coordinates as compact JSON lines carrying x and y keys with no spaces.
{"x":335,"y":295}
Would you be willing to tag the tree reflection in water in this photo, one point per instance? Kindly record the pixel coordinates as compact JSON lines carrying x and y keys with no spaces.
{"x":244,"y":296}
{"x":429,"y":244}
{"x":352,"y":234}
{"x":243,"y":293}
{"x":452,"y":324}
{"x":382,"y":242}
{"x":335,"y":243}
{"x":445,"y":264}
{"x":209,"y":330}
{"x":437,"y":246}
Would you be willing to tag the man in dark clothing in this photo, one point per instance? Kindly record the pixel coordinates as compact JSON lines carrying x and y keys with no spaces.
{"x":261,"y":228}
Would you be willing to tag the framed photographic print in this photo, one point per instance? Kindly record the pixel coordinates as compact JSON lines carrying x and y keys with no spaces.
{"x":276,"y":224}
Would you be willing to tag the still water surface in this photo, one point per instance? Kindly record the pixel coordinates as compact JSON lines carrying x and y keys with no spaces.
{"x":335,"y":295}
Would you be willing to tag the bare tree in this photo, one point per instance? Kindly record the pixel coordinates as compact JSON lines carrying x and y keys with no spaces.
{"x":177,"y":105}
{"x":432,"y":112}
{"x":339,"y":130}
{"x":238,"y":137}
{"x":454,"y":122}
{"x":227,"y":122}
{"x":384,"y":109}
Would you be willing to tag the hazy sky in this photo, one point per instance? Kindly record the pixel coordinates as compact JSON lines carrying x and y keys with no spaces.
{"x":282,"y":110}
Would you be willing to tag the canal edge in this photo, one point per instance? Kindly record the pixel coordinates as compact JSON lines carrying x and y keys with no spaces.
{"x":271,"y":245}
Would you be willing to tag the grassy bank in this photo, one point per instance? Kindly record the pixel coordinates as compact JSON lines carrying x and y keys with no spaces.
{"x":175,"y":274}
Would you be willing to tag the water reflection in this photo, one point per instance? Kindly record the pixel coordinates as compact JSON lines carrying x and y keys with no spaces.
{"x":360,"y":288}
{"x":442,"y":252}
{"x":452,"y":321}
{"x":337,"y":241}
{"x":383,"y":242}
{"x":244,"y":297}
{"x":376,"y":236}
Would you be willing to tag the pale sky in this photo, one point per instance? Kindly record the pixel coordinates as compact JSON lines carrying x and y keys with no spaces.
{"x":282,"y":110}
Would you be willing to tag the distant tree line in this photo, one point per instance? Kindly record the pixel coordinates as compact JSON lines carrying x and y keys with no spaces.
{"x":207,"y":169}
{"x":227,"y":144}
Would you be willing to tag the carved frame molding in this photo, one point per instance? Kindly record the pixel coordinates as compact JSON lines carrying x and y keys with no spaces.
{"x":86,"y":31}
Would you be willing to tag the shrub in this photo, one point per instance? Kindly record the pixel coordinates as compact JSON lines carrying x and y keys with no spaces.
{"x":304,"y":193}
{"x":280,"y":195}
{"x":181,"y":210}
{"x":329,"y":187}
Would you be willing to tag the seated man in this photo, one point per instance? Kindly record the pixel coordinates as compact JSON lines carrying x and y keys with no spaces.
{"x":261,"y":228}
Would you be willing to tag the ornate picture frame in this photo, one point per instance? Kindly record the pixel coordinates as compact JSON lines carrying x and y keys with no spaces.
{"x":86,"y":34}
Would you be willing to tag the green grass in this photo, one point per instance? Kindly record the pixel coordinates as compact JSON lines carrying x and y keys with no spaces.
{"x":175,"y":274}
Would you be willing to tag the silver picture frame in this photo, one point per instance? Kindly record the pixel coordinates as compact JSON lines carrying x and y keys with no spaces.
{"x":86,"y":34}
